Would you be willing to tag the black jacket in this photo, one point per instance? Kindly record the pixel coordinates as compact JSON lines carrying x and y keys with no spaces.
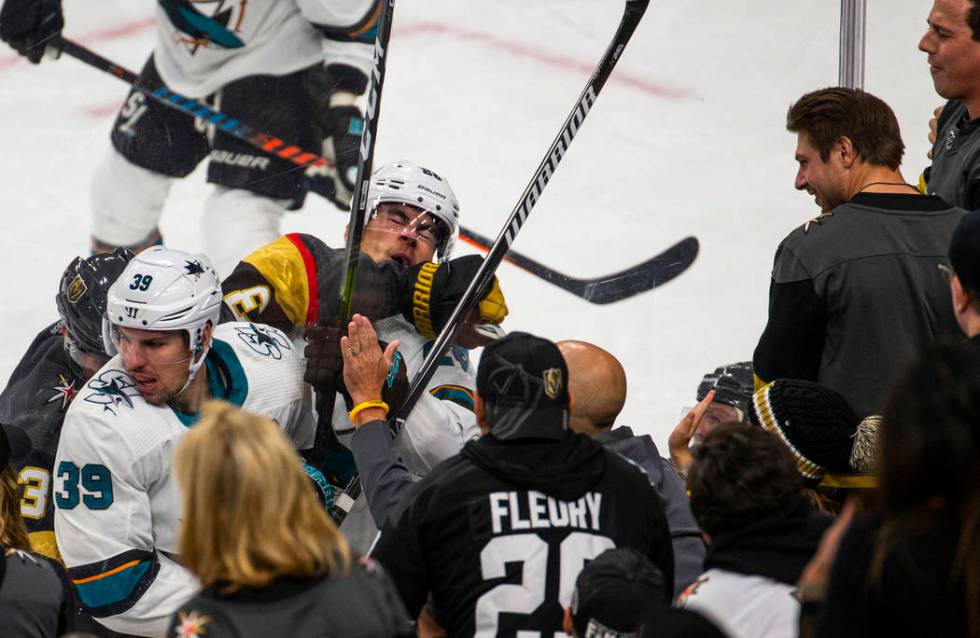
{"x":360,"y":604}
{"x":498,"y":533}
{"x":856,"y":293}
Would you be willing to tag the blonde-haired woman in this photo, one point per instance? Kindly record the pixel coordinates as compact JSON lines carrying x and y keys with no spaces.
{"x":270,"y":561}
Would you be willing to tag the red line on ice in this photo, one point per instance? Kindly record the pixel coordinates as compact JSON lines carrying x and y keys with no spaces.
{"x":547,"y":58}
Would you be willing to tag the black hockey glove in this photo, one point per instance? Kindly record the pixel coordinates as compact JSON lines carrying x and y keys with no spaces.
{"x":428,"y":292}
{"x":29,"y":25}
{"x":325,"y":366}
{"x":324,"y":363}
{"x":334,"y":90}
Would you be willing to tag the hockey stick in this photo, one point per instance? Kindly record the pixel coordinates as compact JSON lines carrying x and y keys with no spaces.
{"x":624,"y":284}
{"x":365,"y":161}
{"x":631,"y":17}
{"x":271,"y":144}
{"x":632,"y":14}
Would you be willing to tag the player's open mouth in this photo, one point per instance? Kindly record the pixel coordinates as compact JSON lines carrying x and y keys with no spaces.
{"x":401,"y":259}
{"x":145,"y":386}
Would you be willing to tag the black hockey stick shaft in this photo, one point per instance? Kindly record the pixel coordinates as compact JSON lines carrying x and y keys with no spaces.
{"x":365,"y":160}
{"x":617,"y":286}
{"x":632,"y":14}
{"x":271,"y":144}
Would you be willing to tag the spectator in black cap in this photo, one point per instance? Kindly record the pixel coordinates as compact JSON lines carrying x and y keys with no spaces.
{"x":496,"y":535}
{"x":35,"y":599}
{"x":598,"y":382}
{"x":761,"y":532}
{"x":964,"y":271}
{"x":613,"y":595}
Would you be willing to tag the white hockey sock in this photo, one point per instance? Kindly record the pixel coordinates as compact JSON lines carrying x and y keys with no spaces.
{"x":126,"y":201}
{"x":235,"y":223}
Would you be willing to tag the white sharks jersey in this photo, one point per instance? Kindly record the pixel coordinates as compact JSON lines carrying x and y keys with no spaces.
{"x":205,"y":44}
{"x":118,"y":506}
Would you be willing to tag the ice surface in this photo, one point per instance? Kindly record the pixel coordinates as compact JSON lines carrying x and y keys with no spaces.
{"x":687,"y":138}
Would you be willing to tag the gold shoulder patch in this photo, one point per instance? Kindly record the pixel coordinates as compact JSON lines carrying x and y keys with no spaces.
{"x":816,"y":220}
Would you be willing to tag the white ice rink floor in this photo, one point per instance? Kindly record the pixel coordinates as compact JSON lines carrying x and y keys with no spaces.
{"x":688,"y":138}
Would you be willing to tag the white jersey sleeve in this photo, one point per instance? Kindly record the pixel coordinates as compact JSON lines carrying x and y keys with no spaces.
{"x":202,"y":46}
{"x":117,"y":505}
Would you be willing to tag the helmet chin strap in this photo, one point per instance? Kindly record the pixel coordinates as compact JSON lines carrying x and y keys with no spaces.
{"x":196,"y":361}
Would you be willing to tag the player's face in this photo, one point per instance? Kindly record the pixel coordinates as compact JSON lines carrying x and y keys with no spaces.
{"x":158,"y":361}
{"x":954,"y":56}
{"x":822,"y":179}
{"x":401,"y":233}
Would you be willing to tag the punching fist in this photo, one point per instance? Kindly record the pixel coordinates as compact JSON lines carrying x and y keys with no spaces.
{"x":429,"y":291}
{"x":29,"y":25}
{"x":324,"y":363}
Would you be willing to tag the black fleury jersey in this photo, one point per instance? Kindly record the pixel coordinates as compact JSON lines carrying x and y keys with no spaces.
{"x":500,"y":550}
{"x":35,"y":400}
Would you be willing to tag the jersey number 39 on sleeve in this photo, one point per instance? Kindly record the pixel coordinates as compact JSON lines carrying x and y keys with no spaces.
{"x":95,"y":491}
{"x":532,"y":551}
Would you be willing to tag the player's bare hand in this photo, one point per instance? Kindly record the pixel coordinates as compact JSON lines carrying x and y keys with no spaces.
{"x":365,"y":365}
{"x":933,"y":128}
{"x":679,"y":440}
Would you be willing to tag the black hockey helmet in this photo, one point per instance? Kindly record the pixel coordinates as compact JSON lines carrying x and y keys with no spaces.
{"x":81,"y":296}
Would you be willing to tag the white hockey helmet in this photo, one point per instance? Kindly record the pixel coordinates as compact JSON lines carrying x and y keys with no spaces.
{"x":406,"y":182}
{"x":164,"y":289}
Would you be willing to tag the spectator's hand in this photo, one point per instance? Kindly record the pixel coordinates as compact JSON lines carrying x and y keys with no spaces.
{"x":29,"y":25}
{"x":365,"y":366}
{"x":679,"y":440}
{"x":933,"y":128}
{"x":813,"y":581}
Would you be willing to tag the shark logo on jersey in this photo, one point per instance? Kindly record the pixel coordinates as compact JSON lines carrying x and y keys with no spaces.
{"x":264,"y":341}
{"x":112,"y":389}
{"x":194,"y":268}
{"x":217,"y":30}
{"x":66,"y":391}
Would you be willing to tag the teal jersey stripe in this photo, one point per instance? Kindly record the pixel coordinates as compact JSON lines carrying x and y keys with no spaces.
{"x":112,"y":589}
{"x":455,"y":395}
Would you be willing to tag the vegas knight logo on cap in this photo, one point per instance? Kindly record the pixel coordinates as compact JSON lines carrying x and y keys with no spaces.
{"x":522,"y":382}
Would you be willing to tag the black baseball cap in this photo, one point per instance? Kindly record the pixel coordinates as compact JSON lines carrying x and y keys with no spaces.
{"x":14,"y":444}
{"x":964,"y":251}
{"x":615,"y":592}
{"x":523,"y":382}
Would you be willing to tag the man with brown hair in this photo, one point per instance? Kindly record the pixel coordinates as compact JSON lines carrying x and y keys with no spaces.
{"x":855,"y":291}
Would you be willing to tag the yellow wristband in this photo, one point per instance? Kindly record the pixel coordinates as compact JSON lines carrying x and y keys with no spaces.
{"x":360,"y":407}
